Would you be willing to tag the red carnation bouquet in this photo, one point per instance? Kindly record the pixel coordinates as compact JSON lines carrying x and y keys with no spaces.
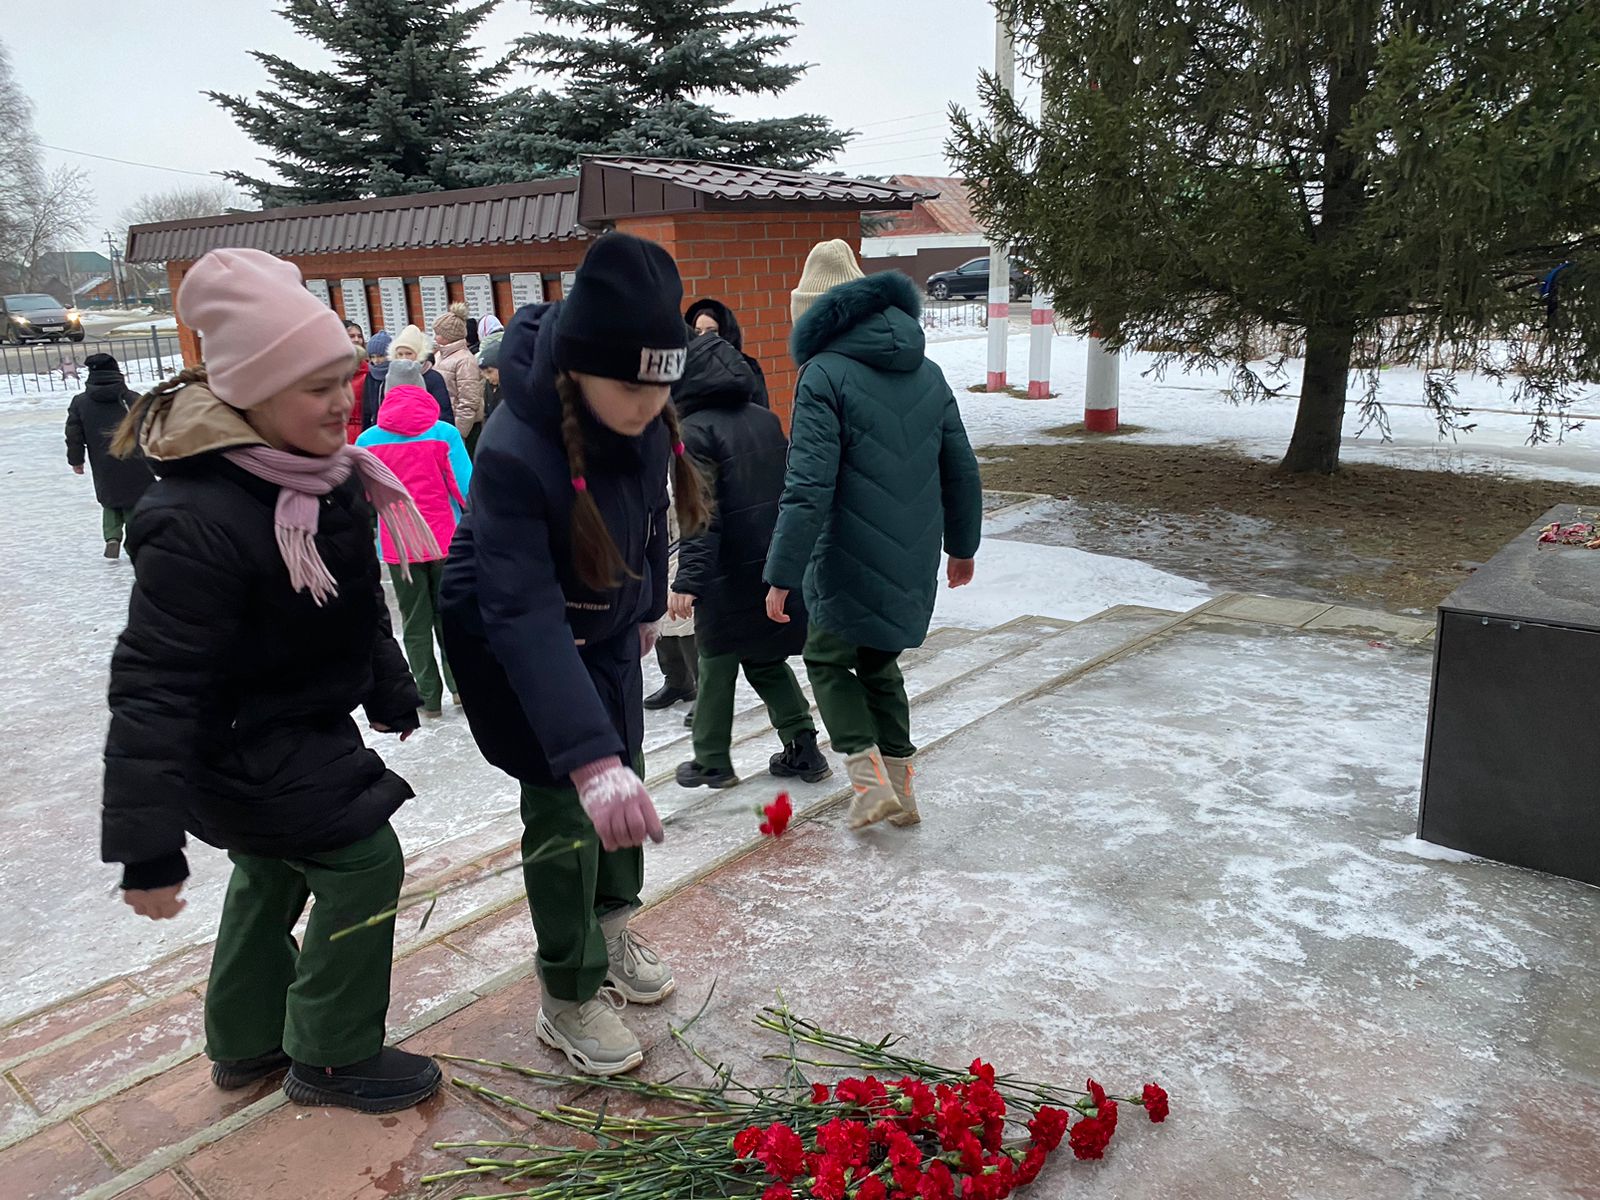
{"x":922,"y":1132}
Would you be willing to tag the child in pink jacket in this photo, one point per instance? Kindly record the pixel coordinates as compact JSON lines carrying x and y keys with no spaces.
{"x":431,"y":460}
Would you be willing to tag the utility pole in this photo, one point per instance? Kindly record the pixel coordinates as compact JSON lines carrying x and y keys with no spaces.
{"x":1005,"y":70}
{"x":116,"y":278}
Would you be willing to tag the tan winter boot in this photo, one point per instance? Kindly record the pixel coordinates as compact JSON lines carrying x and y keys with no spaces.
{"x":875,"y":798}
{"x":900,"y":778}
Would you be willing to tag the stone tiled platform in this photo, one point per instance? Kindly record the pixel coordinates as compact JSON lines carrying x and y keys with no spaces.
{"x":1157,"y":847}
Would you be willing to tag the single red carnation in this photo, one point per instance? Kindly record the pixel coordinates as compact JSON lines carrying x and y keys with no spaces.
{"x":954,"y":1121}
{"x":1155,"y":1102}
{"x":1032,"y":1163}
{"x":746,"y":1141}
{"x":1090,"y":1137}
{"x":868,"y":1093}
{"x":872,"y":1188}
{"x":777,"y":816}
{"x":848,"y":1141}
{"x":1108,"y":1114}
{"x":903,"y":1152}
{"x":1097,"y":1093}
{"x":782,"y":1152}
{"x":937,"y":1184}
{"x":820,"y":1093}
{"x":828,"y":1182}
{"x":916,"y":1102}
{"x":982,"y":1072}
{"x":1048,"y":1127}
{"x":778,"y":1191}
{"x":907,"y":1178}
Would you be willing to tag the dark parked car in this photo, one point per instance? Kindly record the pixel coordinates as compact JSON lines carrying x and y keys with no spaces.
{"x":972,"y":279}
{"x":34,"y":317}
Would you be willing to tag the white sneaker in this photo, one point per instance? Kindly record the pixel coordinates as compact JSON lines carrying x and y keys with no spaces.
{"x":874,"y":799}
{"x":900,"y":778}
{"x":590,"y":1033}
{"x":636,"y":969}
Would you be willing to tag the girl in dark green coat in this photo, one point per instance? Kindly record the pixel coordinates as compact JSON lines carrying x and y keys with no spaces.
{"x":881,"y":476}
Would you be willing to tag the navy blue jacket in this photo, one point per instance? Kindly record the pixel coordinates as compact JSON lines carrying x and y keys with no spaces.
{"x":548,"y":668}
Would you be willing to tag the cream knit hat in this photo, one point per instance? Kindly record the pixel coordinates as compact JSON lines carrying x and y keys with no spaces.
{"x":827,"y":266}
{"x":412,"y":337}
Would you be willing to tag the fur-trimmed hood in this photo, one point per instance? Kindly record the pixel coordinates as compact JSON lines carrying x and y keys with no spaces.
{"x":873,"y":320}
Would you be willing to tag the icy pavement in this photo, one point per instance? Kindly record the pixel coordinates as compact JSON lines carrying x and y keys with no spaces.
{"x":1191,"y":409}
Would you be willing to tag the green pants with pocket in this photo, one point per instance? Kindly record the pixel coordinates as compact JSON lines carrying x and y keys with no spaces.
{"x":324,"y":1002}
{"x":774,"y":682}
{"x":113,"y":521}
{"x":570,"y":893}
{"x":420,"y":627}
{"x":860,"y":694}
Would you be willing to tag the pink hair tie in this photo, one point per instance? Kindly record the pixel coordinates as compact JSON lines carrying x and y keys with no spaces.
{"x":580,"y":484}
{"x":677,"y":448}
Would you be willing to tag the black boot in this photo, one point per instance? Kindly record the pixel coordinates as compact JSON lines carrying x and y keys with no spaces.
{"x":693,"y":775}
{"x":667,"y":696}
{"x":241,"y":1073}
{"x":801,"y":757}
{"x":114,"y":548}
{"x":387,"y":1082}
{"x":688,"y":718}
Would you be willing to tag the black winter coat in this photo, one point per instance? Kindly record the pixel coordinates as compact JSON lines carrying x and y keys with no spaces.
{"x":92,"y":419}
{"x":741,"y":450}
{"x":548,"y":668}
{"x":231,"y":694}
{"x":728,"y":329}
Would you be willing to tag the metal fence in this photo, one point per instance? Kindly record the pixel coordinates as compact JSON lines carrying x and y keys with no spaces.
{"x":953,"y":316}
{"x":147,"y":356}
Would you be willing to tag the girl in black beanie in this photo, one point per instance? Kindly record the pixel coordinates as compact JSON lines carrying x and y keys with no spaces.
{"x":554,"y":590}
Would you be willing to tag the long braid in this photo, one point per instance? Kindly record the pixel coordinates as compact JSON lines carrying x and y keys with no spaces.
{"x":594,"y":553}
{"x":688,"y":488}
{"x":125,"y":442}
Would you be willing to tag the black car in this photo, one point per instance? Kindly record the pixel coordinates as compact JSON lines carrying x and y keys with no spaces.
{"x":972,"y":279}
{"x":34,"y":317}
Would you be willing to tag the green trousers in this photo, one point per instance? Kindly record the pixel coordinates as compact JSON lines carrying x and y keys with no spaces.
{"x":420,"y":623}
{"x":113,"y":521}
{"x":324,"y":1002}
{"x":860,"y":694}
{"x":568,"y":895}
{"x":774,"y":682}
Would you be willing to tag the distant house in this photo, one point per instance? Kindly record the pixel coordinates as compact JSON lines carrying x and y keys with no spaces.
{"x":935,"y":235}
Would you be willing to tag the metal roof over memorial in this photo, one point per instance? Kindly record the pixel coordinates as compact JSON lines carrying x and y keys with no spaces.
{"x":547,"y":210}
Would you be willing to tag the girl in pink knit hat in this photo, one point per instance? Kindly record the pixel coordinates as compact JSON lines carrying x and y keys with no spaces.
{"x":257,"y":624}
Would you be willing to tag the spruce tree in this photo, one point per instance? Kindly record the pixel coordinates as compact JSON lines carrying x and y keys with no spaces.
{"x":635,"y":77}
{"x":402,"y":109}
{"x":1393,"y":180}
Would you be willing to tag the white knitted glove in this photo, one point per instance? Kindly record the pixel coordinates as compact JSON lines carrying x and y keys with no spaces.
{"x":618,"y":804}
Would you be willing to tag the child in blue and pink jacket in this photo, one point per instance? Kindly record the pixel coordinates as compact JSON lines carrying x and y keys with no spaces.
{"x":431,"y":460}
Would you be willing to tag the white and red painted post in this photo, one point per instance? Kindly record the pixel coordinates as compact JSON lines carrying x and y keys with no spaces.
{"x":1101,"y":386}
{"x":1042,"y":334}
{"x":1005,"y":70}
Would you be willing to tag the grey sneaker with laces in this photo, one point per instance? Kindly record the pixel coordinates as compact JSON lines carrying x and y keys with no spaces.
{"x":636,"y":969}
{"x":590,"y":1033}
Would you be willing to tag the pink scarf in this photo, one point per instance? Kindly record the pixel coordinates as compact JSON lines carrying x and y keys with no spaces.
{"x":301,"y":479}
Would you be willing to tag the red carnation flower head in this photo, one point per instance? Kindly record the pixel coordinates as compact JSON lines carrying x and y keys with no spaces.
{"x":782,"y":1152}
{"x":868,"y":1093}
{"x":828,"y":1183}
{"x":778,"y":1191}
{"x":1096,"y":1093}
{"x":907,"y":1177}
{"x":916,"y":1102}
{"x":819,"y":1093}
{"x":981,"y":1072}
{"x":1108,"y":1114}
{"x":872,"y":1188}
{"x":937,"y":1184}
{"x":848,"y":1141}
{"x":746,"y":1141}
{"x":1032,"y":1163}
{"x":1048,"y":1127}
{"x":1155,"y":1102}
{"x":1090,"y":1136}
{"x":775,"y":817}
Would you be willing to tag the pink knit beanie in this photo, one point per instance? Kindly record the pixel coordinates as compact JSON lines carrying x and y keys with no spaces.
{"x":261,"y":331}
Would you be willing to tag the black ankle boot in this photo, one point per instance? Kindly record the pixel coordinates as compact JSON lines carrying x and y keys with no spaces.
{"x":233,"y":1075}
{"x":693,"y":775}
{"x":666,"y":696}
{"x":387,"y":1082}
{"x":801,"y":757}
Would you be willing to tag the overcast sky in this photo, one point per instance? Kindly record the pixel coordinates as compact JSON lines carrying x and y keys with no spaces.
{"x":123,"y":78}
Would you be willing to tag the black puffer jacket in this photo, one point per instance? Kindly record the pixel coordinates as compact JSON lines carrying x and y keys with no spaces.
{"x":740,"y":448}
{"x":549,"y":668}
{"x":231,"y":694}
{"x":728,"y":329}
{"x":92,"y":418}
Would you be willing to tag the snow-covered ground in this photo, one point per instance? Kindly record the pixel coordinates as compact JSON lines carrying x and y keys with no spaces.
{"x":1191,"y":409}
